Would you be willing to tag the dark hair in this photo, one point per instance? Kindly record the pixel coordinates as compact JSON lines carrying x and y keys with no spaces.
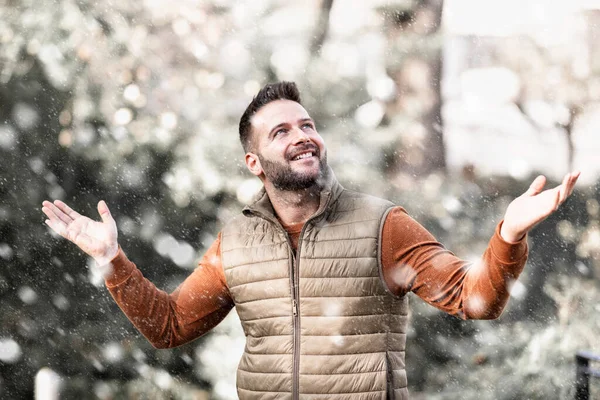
{"x":269,"y":93}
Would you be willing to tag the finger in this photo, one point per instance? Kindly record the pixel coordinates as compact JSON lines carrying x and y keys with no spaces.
{"x":57,"y":213}
{"x":574,"y":177}
{"x":567,"y":188}
{"x":557,"y":201}
{"x":105,"y":213}
{"x":563,"y":189}
{"x":536,"y":186}
{"x":66,"y":209}
{"x":69,"y":232}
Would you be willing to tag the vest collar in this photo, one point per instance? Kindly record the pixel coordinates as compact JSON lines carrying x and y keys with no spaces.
{"x":262,"y":204}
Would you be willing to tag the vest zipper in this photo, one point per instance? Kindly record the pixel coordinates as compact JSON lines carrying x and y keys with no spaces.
{"x":295,"y":282}
{"x":295,"y":299}
{"x":295,"y":315}
{"x":295,"y":277}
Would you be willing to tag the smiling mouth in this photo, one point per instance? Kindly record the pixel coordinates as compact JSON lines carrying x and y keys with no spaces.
{"x":303,"y":156}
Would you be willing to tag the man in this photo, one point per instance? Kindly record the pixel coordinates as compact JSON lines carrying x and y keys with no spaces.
{"x":318,"y":274}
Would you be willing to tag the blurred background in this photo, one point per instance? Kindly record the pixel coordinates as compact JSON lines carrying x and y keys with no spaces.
{"x":448,"y":108}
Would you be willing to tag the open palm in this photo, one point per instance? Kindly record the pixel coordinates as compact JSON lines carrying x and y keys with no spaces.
{"x":533,"y":206}
{"x":97,"y":239}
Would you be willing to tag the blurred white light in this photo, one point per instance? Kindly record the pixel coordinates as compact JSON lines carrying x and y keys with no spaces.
{"x":131,"y":92}
{"x":337,"y":340}
{"x":199,"y":49}
{"x":60,"y":302}
{"x":103,"y":390}
{"x":582,"y":268}
{"x":36,"y":165}
{"x":224,"y":390}
{"x":27,"y":295}
{"x":85,"y":136}
{"x":182,"y":254}
{"x":162,"y":135}
{"x":119,"y":133}
{"x":382,"y":88}
{"x":6,"y":252}
{"x":47,"y":385}
{"x":517,"y":290}
{"x":163,"y":379}
{"x":82,"y":107}
{"x":8,"y":137}
{"x":519,"y":169}
{"x":369,"y":115}
{"x":112,"y":352}
{"x":97,"y":273}
{"x":164,"y":243}
{"x":219,"y":356}
{"x":402,"y":274}
{"x":25,"y":116}
{"x":179,"y":180}
{"x":247,"y":190}
{"x":181,"y":27}
{"x":97,"y":364}
{"x":451,"y":204}
{"x":168,"y":120}
{"x":10,"y":351}
{"x":251,"y":88}
{"x":123,"y":116}
{"x":475,"y":304}
{"x":212,"y":181}
{"x":56,"y":192}
{"x":332,"y":309}
{"x":68,"y":277}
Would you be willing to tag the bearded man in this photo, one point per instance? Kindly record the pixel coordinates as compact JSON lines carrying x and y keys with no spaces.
{"x":317,"y":273}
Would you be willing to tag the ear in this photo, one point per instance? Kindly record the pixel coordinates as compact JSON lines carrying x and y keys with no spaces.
{"x":253,"y":164}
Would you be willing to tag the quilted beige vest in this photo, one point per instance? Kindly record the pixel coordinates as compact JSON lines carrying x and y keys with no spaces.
{"x":319,"y":324}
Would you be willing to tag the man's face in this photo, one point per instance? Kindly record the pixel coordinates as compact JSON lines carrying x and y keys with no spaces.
{"x":289,"y":152}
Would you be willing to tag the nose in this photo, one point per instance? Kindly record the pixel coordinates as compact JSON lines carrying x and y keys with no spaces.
{"x":301,"y":136}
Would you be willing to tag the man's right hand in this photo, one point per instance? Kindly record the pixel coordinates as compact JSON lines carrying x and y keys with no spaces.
{"x":97,"y":239}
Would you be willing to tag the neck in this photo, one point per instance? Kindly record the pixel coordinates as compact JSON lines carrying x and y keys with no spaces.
{"x":293,"y":207}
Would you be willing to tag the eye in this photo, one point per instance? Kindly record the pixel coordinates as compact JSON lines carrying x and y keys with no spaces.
{"x":308,"y":125}
{"x":279,"y":132}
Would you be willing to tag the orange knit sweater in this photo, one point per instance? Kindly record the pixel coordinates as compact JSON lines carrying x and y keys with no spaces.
{"x":412,"y":261}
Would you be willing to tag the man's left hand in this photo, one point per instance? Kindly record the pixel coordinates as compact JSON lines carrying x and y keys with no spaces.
{"x":533,"y":206}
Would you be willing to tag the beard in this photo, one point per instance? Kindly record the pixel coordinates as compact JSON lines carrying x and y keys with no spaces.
{"x":283,"y":177}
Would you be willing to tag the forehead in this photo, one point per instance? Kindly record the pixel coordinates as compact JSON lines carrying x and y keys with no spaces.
{"x":275,"y":113}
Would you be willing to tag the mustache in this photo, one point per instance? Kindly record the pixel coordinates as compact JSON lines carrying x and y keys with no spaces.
{"x":304,"y":148}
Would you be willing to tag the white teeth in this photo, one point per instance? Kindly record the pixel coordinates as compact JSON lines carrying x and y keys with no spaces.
{"x":301,"y":156}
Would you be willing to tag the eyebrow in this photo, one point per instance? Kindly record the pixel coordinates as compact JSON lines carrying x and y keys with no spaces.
{"x":300,"y":121}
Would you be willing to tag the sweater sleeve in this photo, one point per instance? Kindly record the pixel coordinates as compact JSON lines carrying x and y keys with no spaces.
{"x":170,"y":320}
{"x":412,"y":260}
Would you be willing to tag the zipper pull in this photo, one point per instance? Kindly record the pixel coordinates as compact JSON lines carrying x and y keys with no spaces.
{"x":294,"y":307}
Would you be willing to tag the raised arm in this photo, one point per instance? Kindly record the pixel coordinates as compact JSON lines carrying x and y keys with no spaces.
{"x":414,"y":261}
{"x":170,"y":320}
{"x":166,"y":320}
